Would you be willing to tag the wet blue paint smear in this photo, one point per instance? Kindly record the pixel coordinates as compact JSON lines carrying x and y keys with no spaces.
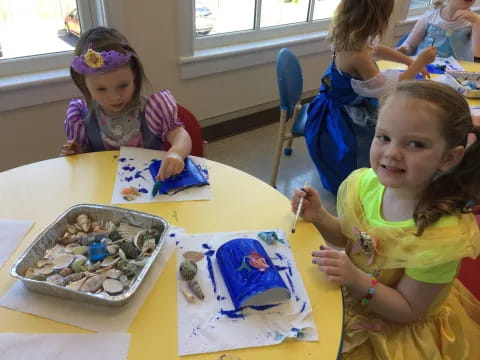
{"x":211,"y":275}
{"x":303,"y":306}
{"x":138,"y":175}
{"x":128,"y":168}
{"x":289,"y":268}
{"x":291,"y":283}
{"x":122,"y":159}
{"x":210,"y":253}
{"x":280,"y":257}
{"x":143,"y":190}
{"x":172,"y":235}
{"x":176,"y":242}
{"x":232,"y":314}
{"x":263,"y":307}
{"x":297,"y":298}
{"x":220,"y":297}
{"x":280,"y":268}
{"x":128,"y":178}
{"x":206,"y":246}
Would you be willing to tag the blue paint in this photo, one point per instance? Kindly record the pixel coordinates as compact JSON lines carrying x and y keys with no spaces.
{"x":281,"y":268}
{"x":280,"y":257}
{"x":143,"y":190}
{"x":289,"y":268}
{"x":298,"y":333}
{"x":219,"y":298}
{"x":128,"y":178}
{"x":176,"y":242}
{"x":291,"y":283}
{"x":128,"y":168}
{"x":211,"y":275}
{"x":303,"y":306}
{"x":263,"y":307}
{"x":138,"y":175}
{"x":279,"y":336}
{"x":172,"y":235}
{"x":297,"y":298}
{"x":210,"y":253}
{"x":206,"y":246}
{"x":122,"y":159}
{"x":233,"y":314}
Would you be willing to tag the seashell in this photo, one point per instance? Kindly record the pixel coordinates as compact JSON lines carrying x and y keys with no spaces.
{"x":77,"y":284}
{"x":38,"y":277}
{"x":188,"y":295}
{"x":112,"y":286}
{"x":124,"y":280}
{"x":188,"y":269}
{"x":72,"y":229}
{"x":67,"y":239}
{"x":122,"y":255}
{"x":62,"y":261}
{"x":130,"y":250}
{"x":148,"y":246}
{"x":93,"y":283}
{"x":126,"y":267}
{"x":43,"y":262}
{"x":112,"y":249}
{"x":65,"y":271}
{"x":84,"y":222}
{"x":70,"y":247}
{"x":78,"y":263}
{"x":56,"y":279}
{"x":80,"y":250}
{"x":129,"y":197}
{"x":138,"y":239}
{"x":57,"y":249}
{"x":115,"y":235}
{"x":193,"y":255}
{"x":110,"y":260}
{"x":139,"y":263}
{"x":128,"y":231}
{"x":74,"y":277}
{"x":113,"y":274}
{"x":29,"y":272}
{"x":197,"y":290}
{"x":94,"y":267}
{"x":45,"y":270}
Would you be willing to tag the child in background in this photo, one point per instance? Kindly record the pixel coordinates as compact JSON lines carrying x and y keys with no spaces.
{"x":110,"y":76}
{"x":405,"y":225}
{"x":451,"y":27}
{"x":342,"y":116}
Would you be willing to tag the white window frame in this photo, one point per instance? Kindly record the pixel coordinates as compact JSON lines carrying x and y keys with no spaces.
{"x":223,"y":52}
{"x":46,"y":78}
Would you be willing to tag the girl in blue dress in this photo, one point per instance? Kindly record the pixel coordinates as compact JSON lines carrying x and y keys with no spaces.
{"x":342,"y":116}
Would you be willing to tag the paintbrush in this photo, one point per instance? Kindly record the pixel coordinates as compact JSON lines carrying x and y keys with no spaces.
{"x":299,"y":210}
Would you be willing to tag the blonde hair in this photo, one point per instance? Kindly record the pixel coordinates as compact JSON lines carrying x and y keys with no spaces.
{"x":454,"y":190}
{"x":355,"y":22}
{"x":438,"y":4}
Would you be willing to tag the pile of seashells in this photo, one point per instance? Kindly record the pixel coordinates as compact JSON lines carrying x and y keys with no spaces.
{"x":188,"y":270}
{"x":97,"y":257}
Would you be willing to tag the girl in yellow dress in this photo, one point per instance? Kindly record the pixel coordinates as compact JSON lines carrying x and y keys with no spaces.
{"x":405,"y":225}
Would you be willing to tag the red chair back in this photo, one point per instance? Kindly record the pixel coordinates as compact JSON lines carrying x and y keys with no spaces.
{"x":469,"y":273}
{"x":194,"y":130}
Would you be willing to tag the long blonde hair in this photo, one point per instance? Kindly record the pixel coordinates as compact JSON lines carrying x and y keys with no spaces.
{"x":355,"y":22}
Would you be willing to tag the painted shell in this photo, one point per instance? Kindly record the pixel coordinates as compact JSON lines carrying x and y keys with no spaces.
{"x":188,"y":269}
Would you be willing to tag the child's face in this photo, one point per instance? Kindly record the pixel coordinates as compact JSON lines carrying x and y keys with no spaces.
{"x":461,"y":4}
{"x":112,"y":90}
{"x":408,"y":148}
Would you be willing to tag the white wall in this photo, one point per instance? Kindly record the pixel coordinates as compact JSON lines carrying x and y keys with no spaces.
{"x":36,"y":133}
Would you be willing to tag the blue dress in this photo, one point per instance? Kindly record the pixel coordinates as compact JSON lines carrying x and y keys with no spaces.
{"x":336,"y":144}
{"x":456,"y":44}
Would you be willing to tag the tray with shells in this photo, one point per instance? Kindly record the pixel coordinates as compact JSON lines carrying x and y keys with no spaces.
{"x":93,"y":253}
{"x":466,"y":83}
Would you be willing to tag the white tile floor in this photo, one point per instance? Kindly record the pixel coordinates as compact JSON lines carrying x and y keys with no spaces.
{"x":253,"y":153}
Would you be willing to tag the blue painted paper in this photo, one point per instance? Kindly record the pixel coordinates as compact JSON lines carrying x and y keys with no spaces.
{"x":249,"y":274}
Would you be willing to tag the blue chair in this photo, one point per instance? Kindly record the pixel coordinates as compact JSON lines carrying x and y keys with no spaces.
{"x":290,"y":87}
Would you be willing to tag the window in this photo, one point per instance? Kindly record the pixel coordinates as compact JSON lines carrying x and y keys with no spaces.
{"x":415,"y":4}
{"x":36,"y":42}
{"x":232,"y":34}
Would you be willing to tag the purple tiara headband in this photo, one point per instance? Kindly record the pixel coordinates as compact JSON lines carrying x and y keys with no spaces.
{"x":94,"y":62}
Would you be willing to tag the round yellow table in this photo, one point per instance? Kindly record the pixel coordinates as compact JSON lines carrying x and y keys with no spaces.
{"x":42,"y":191}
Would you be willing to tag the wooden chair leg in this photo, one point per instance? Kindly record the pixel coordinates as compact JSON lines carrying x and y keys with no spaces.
{"x":288,"y":148}
{"x":278,"y":152}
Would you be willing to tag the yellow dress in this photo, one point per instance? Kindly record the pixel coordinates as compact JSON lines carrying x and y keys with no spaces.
{"x":450,"y":329}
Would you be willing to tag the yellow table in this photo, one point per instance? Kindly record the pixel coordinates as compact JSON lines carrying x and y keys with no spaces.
{"x":42,"y":191}
{"x":468,"y":66}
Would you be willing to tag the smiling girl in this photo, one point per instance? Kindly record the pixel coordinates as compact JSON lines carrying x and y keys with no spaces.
{"x":110,"y":76}
{"x":405,"y":225}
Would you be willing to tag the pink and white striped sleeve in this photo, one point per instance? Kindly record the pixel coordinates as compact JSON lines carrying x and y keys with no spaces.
{"x":73,"y":124}
{"x":161,"y":113}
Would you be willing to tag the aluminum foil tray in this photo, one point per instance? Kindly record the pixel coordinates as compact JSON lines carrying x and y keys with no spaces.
{"x":48,"y":238}
{"x":461,"y":78}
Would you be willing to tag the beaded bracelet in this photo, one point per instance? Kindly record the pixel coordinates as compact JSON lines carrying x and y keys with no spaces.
{"x":371,"y":291}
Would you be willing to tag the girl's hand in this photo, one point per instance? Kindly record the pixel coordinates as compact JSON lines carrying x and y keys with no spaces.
{"x":428,"y":55}
{"x":468,"y":15}
{"x":71,"y":148}
{"x":404,"y":49}
{"x":172,"y":164}
{"x":336,"y":265}
{"x":312,"y":204}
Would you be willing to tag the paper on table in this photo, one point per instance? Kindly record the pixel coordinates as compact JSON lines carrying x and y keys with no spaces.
{"x":106,"y":346}
{"x":213,"y":324}
{"x":11,"y":233}
{"x":133,"y":171}
{"x":88,"y":316}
